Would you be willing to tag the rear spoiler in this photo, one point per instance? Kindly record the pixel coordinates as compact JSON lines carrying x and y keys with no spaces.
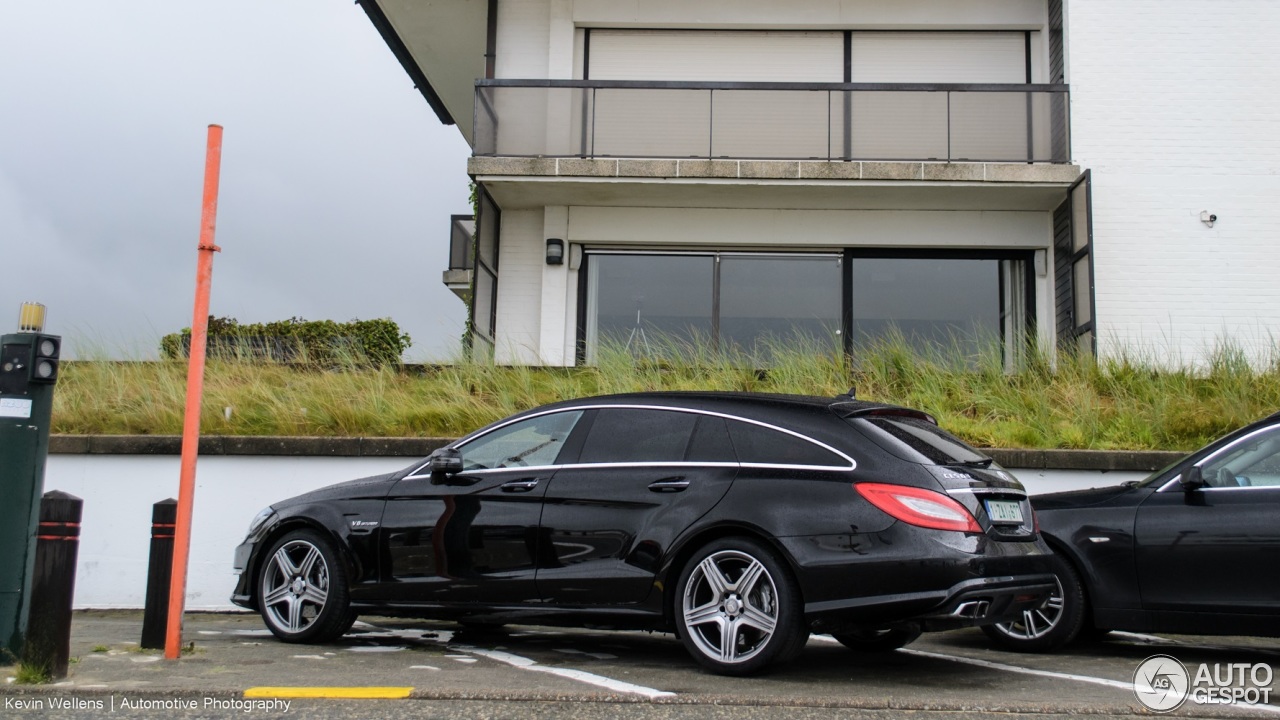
{"x":849,"y":410}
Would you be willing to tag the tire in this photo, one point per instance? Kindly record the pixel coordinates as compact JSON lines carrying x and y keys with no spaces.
{"x":737,"y":592}
{"x":302,"y":589}
{"x":1056,"y":622}
{"x":882,"y":640}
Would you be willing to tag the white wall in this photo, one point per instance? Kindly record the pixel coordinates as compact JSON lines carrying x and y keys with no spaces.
{"x":1174,"y":108}
{"x":118,"y":491}
{"x":810,"y":228}
{"x":521,"y":257}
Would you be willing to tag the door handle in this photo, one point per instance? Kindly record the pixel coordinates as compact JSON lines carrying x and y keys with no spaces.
{"x":520,"y":485}
{"x":666,"y":485}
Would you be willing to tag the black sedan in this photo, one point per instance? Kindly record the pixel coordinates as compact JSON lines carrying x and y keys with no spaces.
{"x":1191,"y":549}
{"x":741,"y":522}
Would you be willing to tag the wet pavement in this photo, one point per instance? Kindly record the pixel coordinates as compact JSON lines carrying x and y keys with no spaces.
{"x":235,"y":667}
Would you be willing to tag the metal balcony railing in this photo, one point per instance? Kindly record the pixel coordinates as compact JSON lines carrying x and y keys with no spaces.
{"x":462,"y":231}
{"x":772,"y":121}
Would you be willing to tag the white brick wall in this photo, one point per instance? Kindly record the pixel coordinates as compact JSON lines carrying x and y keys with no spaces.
{"x":1174,"y":108}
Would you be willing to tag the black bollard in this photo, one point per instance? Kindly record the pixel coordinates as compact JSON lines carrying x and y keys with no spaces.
{"x":53,"y":584}
{"x":155,"y":619}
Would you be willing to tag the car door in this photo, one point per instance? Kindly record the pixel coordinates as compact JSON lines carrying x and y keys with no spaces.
{"x":1214,"y":549}
{"x":643,"y":476}
{"x":473,"y":536}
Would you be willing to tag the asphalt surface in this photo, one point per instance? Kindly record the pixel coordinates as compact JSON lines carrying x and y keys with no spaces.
{"x":236,"y":669}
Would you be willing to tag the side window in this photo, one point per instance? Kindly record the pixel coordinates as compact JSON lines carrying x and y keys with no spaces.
{"x":630,"y":435}
{"x":1252,"y":461}
{"x":711,"y":442}
{"x":761,"y":445}
{"x":536,"y":441}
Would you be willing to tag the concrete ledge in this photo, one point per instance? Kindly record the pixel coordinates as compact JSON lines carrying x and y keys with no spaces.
{"x":1127,"y":460}
{"x":976,"y":172}
{"x":823,"y":170}
{"x":705,"y":168}
{"x":245,"y":445}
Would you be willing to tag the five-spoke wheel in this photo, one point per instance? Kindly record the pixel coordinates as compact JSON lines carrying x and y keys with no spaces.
{"x":738,"y":608}
{"x":302,"y":589}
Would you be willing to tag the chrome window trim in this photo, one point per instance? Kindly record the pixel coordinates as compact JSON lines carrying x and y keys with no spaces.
{"x":642,"y":465}
{"x":1174,"y":481}
{"x":632,"y":406}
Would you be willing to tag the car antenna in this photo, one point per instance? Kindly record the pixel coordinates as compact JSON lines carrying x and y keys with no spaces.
{"x":853,"y":393}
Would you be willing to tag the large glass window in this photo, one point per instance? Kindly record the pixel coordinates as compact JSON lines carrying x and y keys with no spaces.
{"x":963,"y":306}
{"x":737,"y":302}
{"x":645,"y":303}
{"x":766,"y":301}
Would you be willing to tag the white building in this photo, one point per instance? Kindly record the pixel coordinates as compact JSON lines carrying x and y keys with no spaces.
{"x":736,"y":169}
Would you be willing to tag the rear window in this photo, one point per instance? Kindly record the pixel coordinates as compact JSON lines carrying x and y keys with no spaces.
{"x":918,"y":441}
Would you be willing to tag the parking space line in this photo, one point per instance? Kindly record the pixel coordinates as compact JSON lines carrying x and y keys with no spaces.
{"x":525,"y":663}
{"x":1119,"y":685}
{"x":344,"y":693}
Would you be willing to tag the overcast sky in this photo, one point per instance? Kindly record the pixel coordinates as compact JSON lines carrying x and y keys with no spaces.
{"x":337,"y":179}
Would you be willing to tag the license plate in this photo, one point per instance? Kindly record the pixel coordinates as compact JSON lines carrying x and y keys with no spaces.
{"x":1004,"y":511}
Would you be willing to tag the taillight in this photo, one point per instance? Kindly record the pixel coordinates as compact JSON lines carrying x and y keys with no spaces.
{"x":917,"y":506}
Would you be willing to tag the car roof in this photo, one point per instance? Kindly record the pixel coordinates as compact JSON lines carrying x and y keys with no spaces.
{"x":739,"y":401}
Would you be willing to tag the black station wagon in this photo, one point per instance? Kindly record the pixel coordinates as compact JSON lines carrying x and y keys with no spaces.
{"x":741,"y":522}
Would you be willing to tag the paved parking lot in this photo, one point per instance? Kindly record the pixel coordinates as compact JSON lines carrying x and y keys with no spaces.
{"x":530,"y":672}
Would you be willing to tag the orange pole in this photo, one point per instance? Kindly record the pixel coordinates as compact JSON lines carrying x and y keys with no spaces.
{"x":195,"y":391}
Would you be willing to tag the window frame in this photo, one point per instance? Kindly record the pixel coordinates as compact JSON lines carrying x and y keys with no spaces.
{"x":587,"y":420}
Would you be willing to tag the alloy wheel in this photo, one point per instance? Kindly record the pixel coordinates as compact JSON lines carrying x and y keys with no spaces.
{"x":295,"y":586}
{"x":1038,"y":621}
{"x":730,"y":606}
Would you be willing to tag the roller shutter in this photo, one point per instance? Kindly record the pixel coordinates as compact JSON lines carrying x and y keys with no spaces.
{"x":939,"y":57}
{"x":716,"y":55}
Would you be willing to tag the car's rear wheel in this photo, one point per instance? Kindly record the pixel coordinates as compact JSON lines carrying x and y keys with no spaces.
{"x":302,"y":589}
{"x":879,"y":640}
{"x":1054,"y":623}
{"x":738,"y":609}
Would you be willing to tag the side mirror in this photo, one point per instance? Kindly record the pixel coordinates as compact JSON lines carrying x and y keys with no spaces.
{"x":446,"y":461}
{"x":1192,"y":478}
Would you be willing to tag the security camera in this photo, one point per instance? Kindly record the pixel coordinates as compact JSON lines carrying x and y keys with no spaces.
{"x":1208,"y":218}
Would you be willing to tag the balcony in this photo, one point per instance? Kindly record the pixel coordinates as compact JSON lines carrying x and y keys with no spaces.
{"x":940,"y":123}
{"x":462,"y":231}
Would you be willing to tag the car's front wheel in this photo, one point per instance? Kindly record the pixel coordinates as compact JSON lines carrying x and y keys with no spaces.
{"x":738,"y":609}
{"x":1050,"y":625}
{"x":302,"y":589}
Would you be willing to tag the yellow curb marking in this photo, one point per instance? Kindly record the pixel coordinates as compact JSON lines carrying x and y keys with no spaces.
{"x":360,"y":693}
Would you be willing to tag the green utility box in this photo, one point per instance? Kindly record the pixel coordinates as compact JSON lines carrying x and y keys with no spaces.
{"x":28,"y":371}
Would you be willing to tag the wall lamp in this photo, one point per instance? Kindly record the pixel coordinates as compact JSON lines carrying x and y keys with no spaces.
{"x":555,"y":251}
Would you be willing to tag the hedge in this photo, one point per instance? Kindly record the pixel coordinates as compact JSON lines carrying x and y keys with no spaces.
{"x":322,"y":342}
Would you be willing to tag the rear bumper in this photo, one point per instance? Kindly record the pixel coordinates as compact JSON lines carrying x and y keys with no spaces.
{"x":980,"y":601}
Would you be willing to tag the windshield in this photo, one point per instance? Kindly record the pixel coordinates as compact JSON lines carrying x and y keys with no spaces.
{"x":919,"y":441}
